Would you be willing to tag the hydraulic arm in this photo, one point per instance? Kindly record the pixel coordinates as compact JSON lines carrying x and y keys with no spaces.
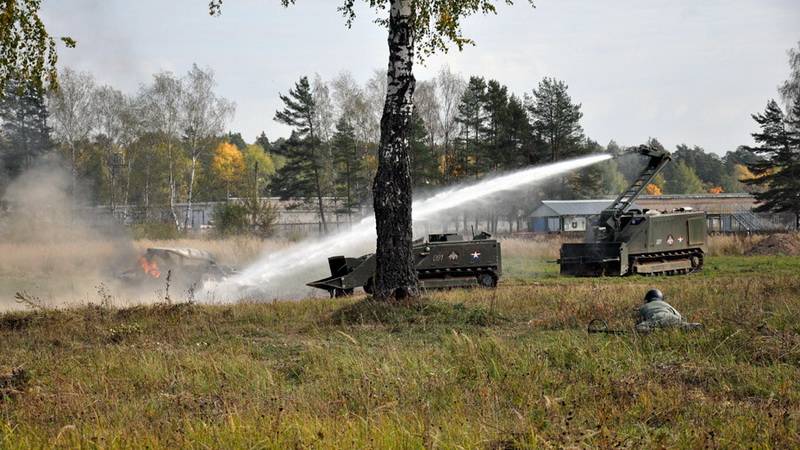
{"x":627,"y":241}
{"x":610,"y":217}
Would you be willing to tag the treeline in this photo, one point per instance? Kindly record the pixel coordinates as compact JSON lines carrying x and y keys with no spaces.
{"x":776,"y":171}
{"x":162,"y":145}
{"x":466,"y":129}
{"x":168,"y":143}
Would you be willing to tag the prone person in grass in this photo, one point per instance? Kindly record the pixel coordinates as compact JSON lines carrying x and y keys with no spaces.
{"x":656,"y":313}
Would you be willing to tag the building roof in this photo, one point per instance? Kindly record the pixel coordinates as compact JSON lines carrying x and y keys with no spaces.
{"x":552,"y":208}
{"x":712,"y":203}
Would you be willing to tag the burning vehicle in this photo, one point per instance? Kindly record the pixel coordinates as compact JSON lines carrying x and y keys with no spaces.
{"x":185,"y":266}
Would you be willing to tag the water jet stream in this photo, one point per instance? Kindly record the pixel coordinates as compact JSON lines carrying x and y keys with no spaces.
{"x":281,"y":272}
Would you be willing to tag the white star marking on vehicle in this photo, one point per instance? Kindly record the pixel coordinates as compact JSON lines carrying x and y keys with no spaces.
{"x":476,"y":255}
{"x":680,"y":238}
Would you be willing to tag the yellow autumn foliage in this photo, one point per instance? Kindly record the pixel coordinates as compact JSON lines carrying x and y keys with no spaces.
{"x":653,"y":189}
{"x":743,"y":173}
{"x":227,"y":163}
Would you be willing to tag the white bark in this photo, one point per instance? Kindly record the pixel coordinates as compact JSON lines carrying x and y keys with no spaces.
{"x":450,"y":88}
{"x":72,"y":116}
{"x":203,"y":116}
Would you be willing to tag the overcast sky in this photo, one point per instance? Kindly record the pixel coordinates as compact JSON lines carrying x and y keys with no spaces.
{"x":683,"y":71}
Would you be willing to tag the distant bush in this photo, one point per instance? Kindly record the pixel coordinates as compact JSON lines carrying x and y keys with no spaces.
{"x":230,"y":219}
{"x":262,"y":215}
{"x":254,"y":216}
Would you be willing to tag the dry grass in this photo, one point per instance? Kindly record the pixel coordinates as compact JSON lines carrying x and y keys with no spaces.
{"x":511,"y":368}
{"x":62,"y":258}
{"x":732,"y":245}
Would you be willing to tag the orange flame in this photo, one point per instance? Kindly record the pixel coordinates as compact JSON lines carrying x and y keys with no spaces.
{"x":150,"y":268}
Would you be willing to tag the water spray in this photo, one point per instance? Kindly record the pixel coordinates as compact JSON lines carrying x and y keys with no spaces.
{"x":279,"y":273}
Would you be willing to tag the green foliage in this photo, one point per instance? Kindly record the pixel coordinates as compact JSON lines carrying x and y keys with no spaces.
{"x":587,"y":183}
{"x":23,"y":127}
{"x":516,"y":136}
{"x":259,"y":164}
{"x":683,"y":180}
{"x":779,"y":170}
{"x":556,"y":119}
{"x":495,"y":131}
{"x":351,"y":181}
{"x":298,"y":177}
{"x":230,"y":219}
{"x":27,"y":51}
{"x":613,"y":180}
{"x":424,"y":161}
{"x":261,"y":216}
{"x":253,"y":216}
{"x":304,"y":173}
{"x":237,"y":140}
{"x":263,"y":141}
{"x":299,"y":110}
{"x":709,"y":167}
{"x":472,"y":117}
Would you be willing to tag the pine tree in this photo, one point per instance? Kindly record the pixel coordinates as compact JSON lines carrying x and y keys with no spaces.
{"x":305,"y":160}
{"x":588,"y":182}
{"x":517,"y":147}
{"x":295,"y":179}
{"x":351,"y":176}
{"x":472,"y":117}
{"x":556,"y":119}
{"x":263,"y":141}
{"x":779,"y":171}
{"x":237,"y":140}
{"x":23,"y":123}
{"x":496,"y":107}
{"x":424,"y":161}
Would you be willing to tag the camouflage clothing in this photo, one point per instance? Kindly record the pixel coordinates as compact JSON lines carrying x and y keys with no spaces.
{"x":660,"y":314}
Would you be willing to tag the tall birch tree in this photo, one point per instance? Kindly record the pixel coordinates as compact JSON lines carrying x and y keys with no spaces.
{"x":162,"y":102}
{"x":204,"y":117}
{"x":72,"y":114}
{"x":450,"y":87}
{"x":415,"y":27}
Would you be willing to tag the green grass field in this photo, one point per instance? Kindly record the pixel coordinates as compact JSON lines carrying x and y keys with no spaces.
{"x":509,"y":368}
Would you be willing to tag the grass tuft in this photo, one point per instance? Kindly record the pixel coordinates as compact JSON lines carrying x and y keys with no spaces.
{"x":420,"y":312}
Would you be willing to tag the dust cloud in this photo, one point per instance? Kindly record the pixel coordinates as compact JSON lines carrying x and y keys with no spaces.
{"x":53,"y":249}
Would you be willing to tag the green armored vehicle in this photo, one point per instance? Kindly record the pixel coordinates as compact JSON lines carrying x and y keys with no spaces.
{"x":627,"y":241}
{"x":442,"y":261}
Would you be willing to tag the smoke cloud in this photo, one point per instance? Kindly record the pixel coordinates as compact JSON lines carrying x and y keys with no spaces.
{"x":54,"y":249}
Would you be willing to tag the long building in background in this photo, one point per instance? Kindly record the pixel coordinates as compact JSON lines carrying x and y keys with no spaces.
{"x":726,"y":213}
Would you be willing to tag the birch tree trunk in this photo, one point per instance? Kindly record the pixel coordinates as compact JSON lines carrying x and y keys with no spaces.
{"x":395,"y":273}
{"x":320,"y":204}
{"x":172,"y":189}
{"x":191,"y":192}
{"x":128,"y":186}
